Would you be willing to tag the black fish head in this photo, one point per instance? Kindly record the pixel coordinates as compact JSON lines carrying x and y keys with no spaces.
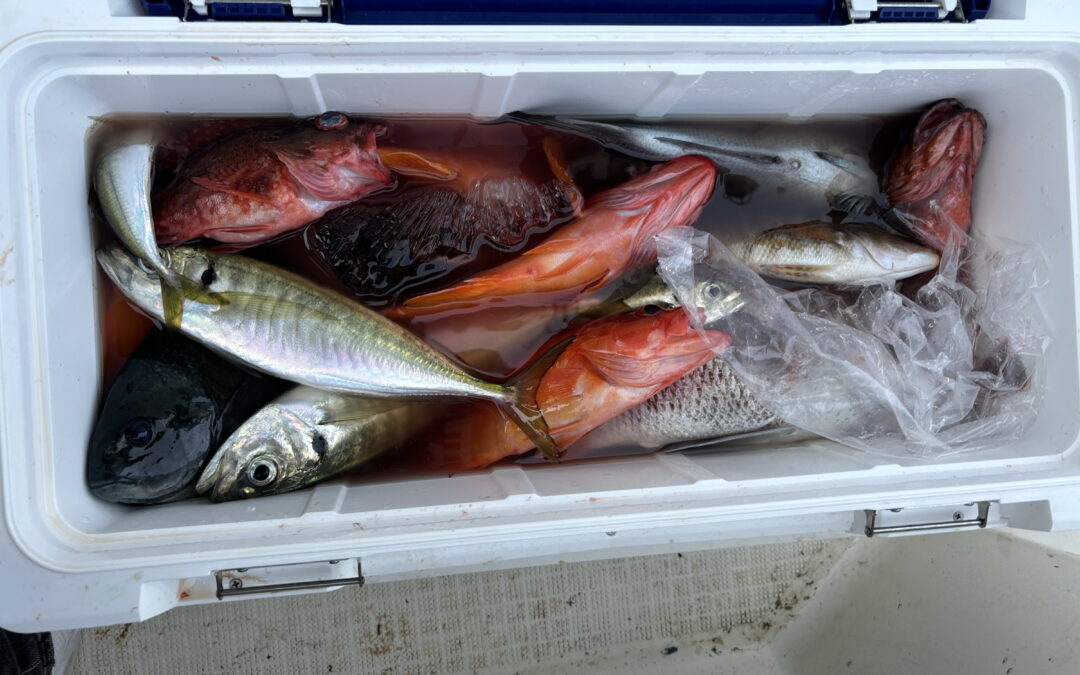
{"x":152,"y":438}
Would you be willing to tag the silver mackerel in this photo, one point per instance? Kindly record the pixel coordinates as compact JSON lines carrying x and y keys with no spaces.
{"x":284,"y":325}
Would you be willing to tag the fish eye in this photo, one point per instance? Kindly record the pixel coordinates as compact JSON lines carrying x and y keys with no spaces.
{"x":329,"y":121}
{"x":650,"y":309}
{"x":262,"y":471}
{"x":208,"y":275}
{"x":139,"y":433}
{"x":319,"y":444}
{"x":712,"y":291}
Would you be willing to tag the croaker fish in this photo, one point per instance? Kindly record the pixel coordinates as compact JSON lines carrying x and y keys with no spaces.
{"x":793,"y":160}
{"x":253,"y":185}
{"x":282,"y":324}
{"x":711,"y":402}
{"x":613,"y":236}
{"x":848,"y":254}
{"x":612,"y":365}
{"x":305,"y":436}
{"x":470,"y":204}
{"x":930,"y":181}
{"x":164,"y":415}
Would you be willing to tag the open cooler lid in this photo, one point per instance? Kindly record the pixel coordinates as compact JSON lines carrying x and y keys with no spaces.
{"x":609,"y":12}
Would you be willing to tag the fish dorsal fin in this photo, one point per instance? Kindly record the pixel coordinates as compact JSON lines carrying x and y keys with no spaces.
{"x":812,"y":229}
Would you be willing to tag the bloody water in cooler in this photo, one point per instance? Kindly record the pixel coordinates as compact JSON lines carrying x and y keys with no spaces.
{"x":492,"y":343}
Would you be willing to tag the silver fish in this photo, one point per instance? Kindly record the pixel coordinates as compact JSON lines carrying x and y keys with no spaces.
{"x":305,"y":436}
{"x":715,"y":298}
{"x":855,"y":254}
{"x":284,"y":325}
{"x":710,"y":402}
{"x":796,"y":160}
{"x":122,"y":180}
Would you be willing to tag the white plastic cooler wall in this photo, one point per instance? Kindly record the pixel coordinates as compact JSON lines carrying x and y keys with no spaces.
{"x":67,"y":559}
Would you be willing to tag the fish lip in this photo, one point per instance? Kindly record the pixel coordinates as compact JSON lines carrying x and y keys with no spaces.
{"x":122,"y":491}
{"x":209,"y":477}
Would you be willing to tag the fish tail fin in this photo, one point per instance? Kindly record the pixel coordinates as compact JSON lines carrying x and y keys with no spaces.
{"x":520,"y":405}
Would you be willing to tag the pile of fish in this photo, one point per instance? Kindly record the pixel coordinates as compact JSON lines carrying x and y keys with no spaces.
{"x":516,"y":313}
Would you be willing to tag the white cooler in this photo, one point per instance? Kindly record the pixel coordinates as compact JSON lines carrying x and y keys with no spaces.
{"x":69,"y":560}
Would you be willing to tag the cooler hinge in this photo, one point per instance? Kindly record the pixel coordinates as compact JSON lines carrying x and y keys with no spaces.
{"x":288,"y":577}
{"x":974,"y":515}
{"x":861,"y":11}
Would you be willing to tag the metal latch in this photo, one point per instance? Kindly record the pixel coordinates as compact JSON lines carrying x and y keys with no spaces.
{"x":288,"y":577}
{"x":886,"y":521}
{"x":917,"y":10}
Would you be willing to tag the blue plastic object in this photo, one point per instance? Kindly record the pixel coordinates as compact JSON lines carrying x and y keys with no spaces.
{"x":611,"y":12}
{"x":565,"y":12}
{"x":908,"y":14}
{"x":163,"y":7}
{"x":248,"y":11}
{"x":975,"y":9}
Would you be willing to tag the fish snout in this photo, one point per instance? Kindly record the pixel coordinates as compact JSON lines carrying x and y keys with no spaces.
{"x":921,"y":260}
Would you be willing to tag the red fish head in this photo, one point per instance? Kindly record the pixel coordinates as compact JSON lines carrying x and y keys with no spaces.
{"x":673,"y":193}
{"x":334,"y":157}
{"x":929,"y":182}
{"x":947,"y":138}
{"x":647,"y":350}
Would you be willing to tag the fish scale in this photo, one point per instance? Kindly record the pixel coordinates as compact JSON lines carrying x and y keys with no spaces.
{"x":710,"y":402}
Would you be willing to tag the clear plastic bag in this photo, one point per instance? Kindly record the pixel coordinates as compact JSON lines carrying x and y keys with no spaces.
{"x":955,"y":367}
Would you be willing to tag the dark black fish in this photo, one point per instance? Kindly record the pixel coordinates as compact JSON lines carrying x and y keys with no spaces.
{"x":170,"y":407}
{"x":379,"y":250}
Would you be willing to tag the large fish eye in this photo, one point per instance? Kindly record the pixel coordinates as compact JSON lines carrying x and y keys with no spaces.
{"x":712,"y":291}
{"x":262,"y":471}
{"x":139,"y":433}
{"x":329,"y":121}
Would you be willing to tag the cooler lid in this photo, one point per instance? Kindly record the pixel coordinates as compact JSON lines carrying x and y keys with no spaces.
{"x":567,"y":12}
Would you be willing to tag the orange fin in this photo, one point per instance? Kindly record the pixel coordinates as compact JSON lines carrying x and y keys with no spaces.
{"x":409,"y":163}
{"x":219,"y":187}
{"x":477,"y":288}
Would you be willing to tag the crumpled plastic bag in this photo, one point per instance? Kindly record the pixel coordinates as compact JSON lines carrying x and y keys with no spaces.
{"x":956,"y":367}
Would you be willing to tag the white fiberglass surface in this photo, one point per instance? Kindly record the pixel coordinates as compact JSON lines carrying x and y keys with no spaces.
{"x":1023,"y":193}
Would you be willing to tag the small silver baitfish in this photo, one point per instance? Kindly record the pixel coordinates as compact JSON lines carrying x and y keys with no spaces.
{"x":797,"y":160}
{"x":855,"y":254}
{"x":305,"y":436}
{"x":284,"y":325}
